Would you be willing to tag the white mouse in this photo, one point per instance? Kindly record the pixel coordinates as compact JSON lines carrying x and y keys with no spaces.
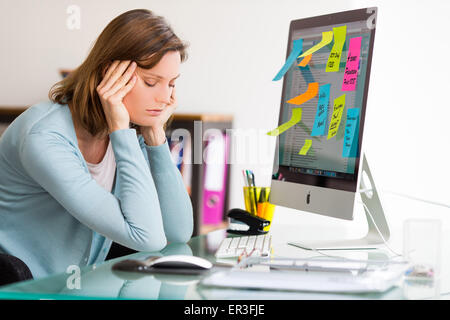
{"x":181,"y":262}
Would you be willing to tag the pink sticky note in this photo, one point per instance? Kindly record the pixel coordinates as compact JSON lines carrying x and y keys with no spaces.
{"x":351,"y":68}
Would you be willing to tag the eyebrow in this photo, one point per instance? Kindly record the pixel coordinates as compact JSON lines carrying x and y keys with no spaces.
{"x":158,"y":76}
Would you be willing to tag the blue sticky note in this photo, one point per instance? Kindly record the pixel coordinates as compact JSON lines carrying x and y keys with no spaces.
{"x":354,"y":149}
{"x":296,"y":49}
{"x":350,"y":144}
{"x":320,"y":122}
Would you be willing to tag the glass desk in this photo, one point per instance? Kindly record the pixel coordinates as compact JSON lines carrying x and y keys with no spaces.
{"x":101,"y":282}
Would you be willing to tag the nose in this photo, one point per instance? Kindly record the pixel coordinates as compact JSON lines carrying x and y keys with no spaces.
{"x":163,"y":95}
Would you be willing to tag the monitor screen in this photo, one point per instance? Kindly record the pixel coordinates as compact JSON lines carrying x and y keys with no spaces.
{"x":324,"y":99}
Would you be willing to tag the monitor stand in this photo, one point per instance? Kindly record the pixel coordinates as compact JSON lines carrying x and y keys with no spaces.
{"x":375,"y":218}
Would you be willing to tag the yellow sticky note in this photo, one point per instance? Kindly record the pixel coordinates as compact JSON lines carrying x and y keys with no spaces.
{"x":304,"y":150}
{"x":296,"y":117}
{"x":334,"y":58}
{"x":338,"y":109}
{"x":327,"y":36}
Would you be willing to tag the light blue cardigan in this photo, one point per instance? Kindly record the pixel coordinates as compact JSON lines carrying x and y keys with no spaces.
{"x":50,"y":206}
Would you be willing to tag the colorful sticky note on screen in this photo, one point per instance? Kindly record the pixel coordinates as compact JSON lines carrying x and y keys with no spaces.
{"x":327,"y":36}
{"x":338,"y":109}
{"x":320,"y":120}
{"x":304,"y":150}
{"x":350,"y":146}
{"x":295,"y":118}
{"x":352,"y":65}
{"x":310,"y":93}
{"x":305,"y":61}
{"x":297,"y":46}
{"x":334,"y":58}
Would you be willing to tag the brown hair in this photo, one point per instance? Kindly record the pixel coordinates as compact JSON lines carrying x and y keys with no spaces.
{"x":138,"y":35}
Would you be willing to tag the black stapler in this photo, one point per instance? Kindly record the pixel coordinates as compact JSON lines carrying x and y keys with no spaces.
{"x":255,"y":223}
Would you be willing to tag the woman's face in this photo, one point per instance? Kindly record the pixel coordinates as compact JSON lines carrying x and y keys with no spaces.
{"x":152,"y":90}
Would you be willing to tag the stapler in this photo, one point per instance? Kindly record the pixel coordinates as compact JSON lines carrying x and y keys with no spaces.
{"x":256,"y":224}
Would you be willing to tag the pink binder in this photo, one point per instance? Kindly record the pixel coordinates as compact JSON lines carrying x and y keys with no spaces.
{"x":215,"y":176}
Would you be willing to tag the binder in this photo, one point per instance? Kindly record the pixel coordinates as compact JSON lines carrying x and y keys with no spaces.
{"x":215,"y":176}
{"x":176,"y":150}
{"x":181,"y":157}
{"x":186,"y":168}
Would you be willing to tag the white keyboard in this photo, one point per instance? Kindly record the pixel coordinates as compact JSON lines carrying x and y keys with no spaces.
{"x":234,"y":246}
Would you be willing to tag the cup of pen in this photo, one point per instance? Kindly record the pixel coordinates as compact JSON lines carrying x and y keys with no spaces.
{"x":257,"y":203}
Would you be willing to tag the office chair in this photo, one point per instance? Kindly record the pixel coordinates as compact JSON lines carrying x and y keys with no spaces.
{"x":118,"y":250}
{"x":12,"y":269}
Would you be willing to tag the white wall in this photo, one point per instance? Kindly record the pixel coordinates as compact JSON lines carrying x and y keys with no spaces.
{"x":407,"y":136}
{"x":236,"y":47}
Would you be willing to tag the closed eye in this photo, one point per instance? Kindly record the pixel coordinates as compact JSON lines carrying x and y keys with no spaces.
{"x":152,"y":85}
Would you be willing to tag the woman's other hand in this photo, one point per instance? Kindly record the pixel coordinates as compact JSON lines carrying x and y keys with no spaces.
{"x":155,"y":135}
{"x":115,"y":85}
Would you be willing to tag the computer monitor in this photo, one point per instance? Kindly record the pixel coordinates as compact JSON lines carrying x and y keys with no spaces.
{"x":318,"y":159}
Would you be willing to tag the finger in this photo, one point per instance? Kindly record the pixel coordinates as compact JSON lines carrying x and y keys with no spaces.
{"x":118,"y":71}
{"x":109,"y":71}
{"x":122,"y":81}
{"x":126,"y":89}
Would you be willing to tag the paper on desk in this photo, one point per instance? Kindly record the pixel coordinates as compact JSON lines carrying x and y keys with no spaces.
{"x":376,"y":281}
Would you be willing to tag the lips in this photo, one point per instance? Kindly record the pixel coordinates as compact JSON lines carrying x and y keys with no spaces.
{"x":154,"y":112}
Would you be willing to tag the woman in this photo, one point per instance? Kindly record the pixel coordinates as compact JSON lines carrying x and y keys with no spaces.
{"x":76,"y":177}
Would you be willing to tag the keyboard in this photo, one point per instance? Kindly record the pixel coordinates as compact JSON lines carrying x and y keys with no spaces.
{"x":231,"y":247}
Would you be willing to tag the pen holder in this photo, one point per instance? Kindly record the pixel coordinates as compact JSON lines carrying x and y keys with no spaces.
{"x":256,"y":202}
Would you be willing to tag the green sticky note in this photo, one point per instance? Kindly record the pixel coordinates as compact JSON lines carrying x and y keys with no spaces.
{"x":327,"y":36}
{"x":304,"y":150}
{"x":334,"y":58}
{"x":338,"y":109}
{"x":296,"y":117}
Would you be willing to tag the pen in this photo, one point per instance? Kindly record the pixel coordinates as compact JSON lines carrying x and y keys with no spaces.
{"x":252,"y":177}
{"x":253,"y":199}
{"x":245,"y":179}
{"x":248,"y":178}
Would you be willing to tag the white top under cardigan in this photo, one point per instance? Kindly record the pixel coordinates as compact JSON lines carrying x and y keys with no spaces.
{"x":103,"y":173}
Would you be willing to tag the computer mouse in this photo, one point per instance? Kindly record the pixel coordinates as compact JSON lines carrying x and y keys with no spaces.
{"x":133,"y":264}
{"x":181,"y":262}
{"x":172,"y":262}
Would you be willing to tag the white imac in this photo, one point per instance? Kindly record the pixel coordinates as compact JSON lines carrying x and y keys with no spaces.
{"x":324,"y":176}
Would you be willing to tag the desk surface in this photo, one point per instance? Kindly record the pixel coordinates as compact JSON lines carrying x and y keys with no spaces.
{"x":101,"y":282}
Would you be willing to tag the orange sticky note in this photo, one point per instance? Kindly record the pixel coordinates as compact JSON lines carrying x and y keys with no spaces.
{"x":311,"y":92}
{"x":305,"y":61}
